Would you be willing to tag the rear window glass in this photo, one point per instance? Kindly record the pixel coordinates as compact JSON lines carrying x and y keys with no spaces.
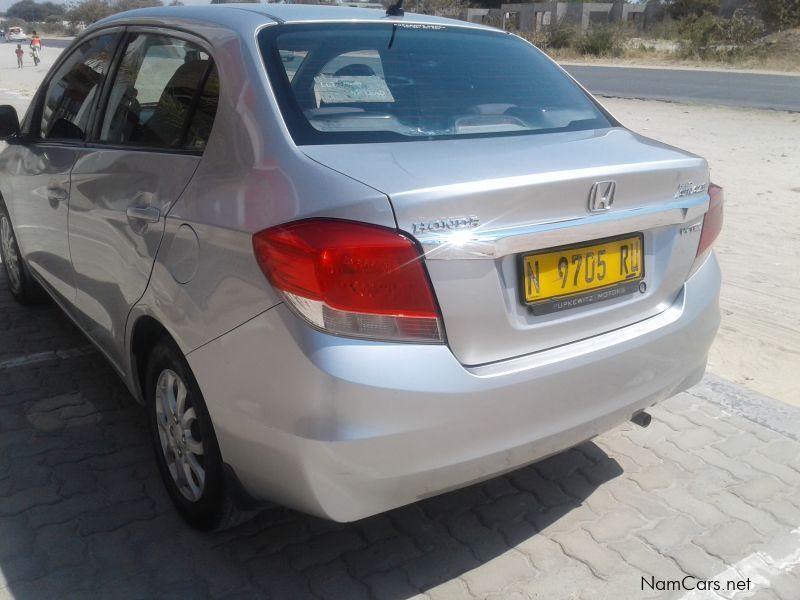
{"x":346,"y":83}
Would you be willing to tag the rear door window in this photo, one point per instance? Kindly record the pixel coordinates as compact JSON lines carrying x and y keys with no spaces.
{"x":164,"y":95}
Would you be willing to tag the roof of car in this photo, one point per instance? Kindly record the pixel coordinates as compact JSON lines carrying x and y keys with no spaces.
{"x":245,"y":17}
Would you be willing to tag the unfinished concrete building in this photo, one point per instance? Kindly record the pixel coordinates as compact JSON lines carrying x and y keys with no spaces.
{"x":536,"y":16}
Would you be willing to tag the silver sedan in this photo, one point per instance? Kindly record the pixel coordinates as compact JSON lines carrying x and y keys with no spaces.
{"x":348,"y":260}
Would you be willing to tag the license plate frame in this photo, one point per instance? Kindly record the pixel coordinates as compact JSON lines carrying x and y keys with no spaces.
{"x":559,"y":302}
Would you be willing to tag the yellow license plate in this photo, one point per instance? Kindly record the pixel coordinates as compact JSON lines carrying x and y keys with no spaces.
{"x":577,"y":270}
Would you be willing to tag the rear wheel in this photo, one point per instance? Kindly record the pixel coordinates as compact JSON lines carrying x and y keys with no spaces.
{"x":23,"y":287}
{"x":185,"y":445}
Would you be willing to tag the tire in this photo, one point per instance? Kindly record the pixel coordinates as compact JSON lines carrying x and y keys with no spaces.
{"x":22,"y":286}
{"x":187,"y":446}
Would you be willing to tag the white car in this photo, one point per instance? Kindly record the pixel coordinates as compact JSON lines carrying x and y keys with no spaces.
{"x":15,"y":34}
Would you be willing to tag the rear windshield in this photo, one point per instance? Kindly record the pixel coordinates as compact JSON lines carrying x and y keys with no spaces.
{"x":349,"y":83}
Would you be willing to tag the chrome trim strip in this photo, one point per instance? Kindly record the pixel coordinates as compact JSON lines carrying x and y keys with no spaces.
{"x":483,"y":244}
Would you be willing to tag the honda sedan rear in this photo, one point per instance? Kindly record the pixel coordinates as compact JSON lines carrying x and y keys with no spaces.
{"x":350,"y":260}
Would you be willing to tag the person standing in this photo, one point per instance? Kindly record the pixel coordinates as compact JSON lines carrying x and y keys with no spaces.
{"x":20,"y":53}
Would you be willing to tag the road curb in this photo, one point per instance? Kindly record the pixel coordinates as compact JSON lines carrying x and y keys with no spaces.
{"x":768,"y":412}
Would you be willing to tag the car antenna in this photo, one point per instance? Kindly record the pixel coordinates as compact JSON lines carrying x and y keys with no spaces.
{"x":396,"y":9}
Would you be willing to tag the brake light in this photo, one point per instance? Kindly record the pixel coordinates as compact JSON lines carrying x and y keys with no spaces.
{"x":712,"y":221}
{"x":712,"y":225}
{"x":351,"y":278}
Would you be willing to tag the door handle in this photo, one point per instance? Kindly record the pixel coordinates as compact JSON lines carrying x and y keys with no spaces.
{"x":55,"y":194}
{"x":148,"y":214}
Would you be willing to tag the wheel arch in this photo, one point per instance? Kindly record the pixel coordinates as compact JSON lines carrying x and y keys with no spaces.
{"x":146,"y":332}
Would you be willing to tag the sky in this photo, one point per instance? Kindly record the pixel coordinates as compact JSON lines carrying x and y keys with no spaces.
{"x":4,"y":4}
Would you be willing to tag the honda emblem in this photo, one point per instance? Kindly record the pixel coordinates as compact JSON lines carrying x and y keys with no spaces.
{"x":601,"y":196}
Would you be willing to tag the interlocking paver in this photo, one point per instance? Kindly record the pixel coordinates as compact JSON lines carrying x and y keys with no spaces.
{"x":668,"y":533}
{"x":659,"y":476}
{"x":788,"y":475}
{"x":699,"y":510}
{"x":615,"y":525}
{"x":580,"y":545}
{"x":641,"y":455}
{"x":756,"y":491}
{"x":695,"y":561}
{"x":485,"y":543}
{"x":729,"y":540}
{"x":498,"y":573}
{"x":381,"y":556}
{"x":737,"y":508}
{"x":83,"y":513}
{"x":735,"y":466}
{"x":645,"y":558}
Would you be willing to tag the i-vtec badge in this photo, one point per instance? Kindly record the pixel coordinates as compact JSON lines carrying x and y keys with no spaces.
{"x":446,"y":224}
{"x":691,"y":228}
{"x":690,"y":189}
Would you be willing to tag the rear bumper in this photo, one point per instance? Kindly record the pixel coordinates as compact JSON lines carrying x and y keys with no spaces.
{"x":345,"y":428}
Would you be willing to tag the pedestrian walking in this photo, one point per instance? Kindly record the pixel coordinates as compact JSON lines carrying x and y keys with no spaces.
{"x":20,"y":53}
{"x":36,"y":47}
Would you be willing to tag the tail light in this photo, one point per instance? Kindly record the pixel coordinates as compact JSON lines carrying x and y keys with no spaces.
{"x":712,"y":224}
{"x":351,"y":279}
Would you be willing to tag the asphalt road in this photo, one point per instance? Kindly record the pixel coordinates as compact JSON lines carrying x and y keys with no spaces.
{"x":779,"y":92}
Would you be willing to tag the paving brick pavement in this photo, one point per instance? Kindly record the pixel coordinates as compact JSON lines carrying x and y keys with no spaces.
{"x":703,"y":492}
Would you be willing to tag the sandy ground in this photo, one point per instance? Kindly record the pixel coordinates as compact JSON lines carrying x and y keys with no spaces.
{"x":755,"y":156}
{"x":26,"y":80}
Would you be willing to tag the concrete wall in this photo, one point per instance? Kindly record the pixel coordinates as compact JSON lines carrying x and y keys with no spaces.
{"x":536,"y":16}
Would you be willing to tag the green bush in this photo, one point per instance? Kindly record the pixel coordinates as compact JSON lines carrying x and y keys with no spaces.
{"x":599,"y":41}
{"x":742,"y":29}
{"x":700,"y":36}
{"x":712,"y":37}
{"x":560,"y":37}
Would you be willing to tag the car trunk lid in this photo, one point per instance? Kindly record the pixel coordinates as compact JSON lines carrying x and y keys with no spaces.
{"x":478,"y":205}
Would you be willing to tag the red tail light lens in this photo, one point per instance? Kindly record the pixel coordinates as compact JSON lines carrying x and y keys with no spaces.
{"x":712,"y":221}
{"x":351,"y":278}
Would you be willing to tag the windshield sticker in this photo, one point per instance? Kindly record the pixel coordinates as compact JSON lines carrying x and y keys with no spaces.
{"x":337,"y":90}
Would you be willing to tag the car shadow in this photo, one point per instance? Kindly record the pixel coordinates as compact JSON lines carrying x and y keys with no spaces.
{"x":83,"y":512}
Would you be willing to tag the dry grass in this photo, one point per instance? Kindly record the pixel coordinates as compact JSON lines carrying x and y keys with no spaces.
{"x":776,"y":52}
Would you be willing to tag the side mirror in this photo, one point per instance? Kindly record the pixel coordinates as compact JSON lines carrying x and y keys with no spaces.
{"x":9,"y":122}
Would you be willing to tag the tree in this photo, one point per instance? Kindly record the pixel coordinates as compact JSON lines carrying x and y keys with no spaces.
{"x":33,"y":12}
{"x":120,"y":5}
{"x":779,"y":14}
{"x":89,"y":11}
{"x":680,"y":9}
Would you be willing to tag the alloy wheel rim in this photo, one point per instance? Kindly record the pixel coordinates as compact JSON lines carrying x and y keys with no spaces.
{"x":179,"y":433}
{"x":10,"y":256}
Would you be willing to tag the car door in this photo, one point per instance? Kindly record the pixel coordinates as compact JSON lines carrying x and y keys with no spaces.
{"x":38,"y":166}
{"x":157,"y":114}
